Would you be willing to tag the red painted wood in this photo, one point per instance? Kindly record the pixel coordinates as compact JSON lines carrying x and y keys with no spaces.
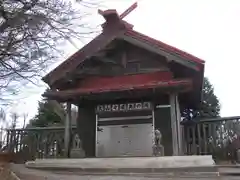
{"x":127,"y":82}
{"x":123,"y":81}
{"x":98,"y":89}
{"x":127,"y":86}
{"x":129,"y":10}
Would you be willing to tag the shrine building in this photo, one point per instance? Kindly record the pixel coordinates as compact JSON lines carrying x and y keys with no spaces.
{"x":127,"y":85}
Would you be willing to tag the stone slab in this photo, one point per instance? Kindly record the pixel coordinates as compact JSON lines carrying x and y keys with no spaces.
{"x":127,"y":165}
{"x":229,"y":171}
{"x":37,"y":174}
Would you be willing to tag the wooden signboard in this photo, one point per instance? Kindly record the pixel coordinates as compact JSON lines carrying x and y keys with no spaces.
{"x":126,"y":107}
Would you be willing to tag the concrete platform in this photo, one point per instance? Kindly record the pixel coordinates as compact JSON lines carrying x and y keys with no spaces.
{"x":169,"y":164}
{"x":229,"y":170}
{"x":34,"y":174}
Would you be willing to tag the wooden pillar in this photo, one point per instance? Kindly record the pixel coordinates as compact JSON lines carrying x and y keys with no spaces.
{"x":180,"y":129}
{"x":67,"y":130}
{"x":175,"y":125}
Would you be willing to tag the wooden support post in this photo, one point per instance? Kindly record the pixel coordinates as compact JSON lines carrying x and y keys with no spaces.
{"x":175,"y":125}
{"x":180,"y":129}
{"x":67,"y":130}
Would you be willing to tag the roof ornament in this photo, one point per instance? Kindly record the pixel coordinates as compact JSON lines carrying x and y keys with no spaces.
{"x":111,"y":16}
{"x":128,"y":10}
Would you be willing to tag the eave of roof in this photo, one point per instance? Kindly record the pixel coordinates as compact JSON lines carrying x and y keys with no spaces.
{"x":121,"y":88}
{"x":80,"y":56}
{"x":163,"y":45}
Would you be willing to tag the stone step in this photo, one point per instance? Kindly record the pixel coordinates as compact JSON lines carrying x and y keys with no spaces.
{"x":147,"y":175}
{"x":142,"y":165}
{"x":229,"y":171}
{"x":188,"y":170}
{"x":127,"y":162}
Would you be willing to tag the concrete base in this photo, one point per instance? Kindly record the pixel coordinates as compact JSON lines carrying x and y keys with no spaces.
{"x":128,"y":165}
{"x":77,"y":153}
{"x":36,"y":174}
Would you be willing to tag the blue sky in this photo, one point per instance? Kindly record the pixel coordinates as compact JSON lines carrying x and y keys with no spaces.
{"x":208,"y":29}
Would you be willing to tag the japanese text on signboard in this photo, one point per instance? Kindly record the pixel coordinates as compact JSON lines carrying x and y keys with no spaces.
{"x":124,"y":107}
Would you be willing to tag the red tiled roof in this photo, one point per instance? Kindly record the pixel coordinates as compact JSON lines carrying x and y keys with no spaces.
{"x":110,"y":33}
{"x":97,"y":85}
{"x":149,"y":40}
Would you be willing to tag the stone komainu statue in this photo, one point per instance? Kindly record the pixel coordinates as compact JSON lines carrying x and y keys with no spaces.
{"x":158,"y":149}
{"x":158,"y":137}
{"x":77,"y":151}
{"x":77,"y":142}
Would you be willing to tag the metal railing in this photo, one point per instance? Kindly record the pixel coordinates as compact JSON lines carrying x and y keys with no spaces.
{"x":218,"y":136}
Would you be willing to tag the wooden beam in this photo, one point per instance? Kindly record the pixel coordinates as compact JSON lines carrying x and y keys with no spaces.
{"x":175,"y":124}
{"x":179,"y":127}
{"x":124,"y":59}
{"x":129,"y":10}
{"x":113,"y":11}
{"x":107,"y":60}
{"x":67,"y":130}
{"x":103,"y":52}
{"x":101,"y":12}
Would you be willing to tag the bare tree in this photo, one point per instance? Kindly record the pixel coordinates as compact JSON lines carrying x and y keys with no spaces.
{"x":31,"y":35}
{"x":25,"y":115}
{"x":2,"y":123}
{"x":14,"y":120}
{"x":2,"y":116}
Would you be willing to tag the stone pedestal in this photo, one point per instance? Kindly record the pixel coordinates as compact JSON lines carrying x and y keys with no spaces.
{"x":158,"y":150}
{"x":77,"y":153}
{"x":238,"y":156}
